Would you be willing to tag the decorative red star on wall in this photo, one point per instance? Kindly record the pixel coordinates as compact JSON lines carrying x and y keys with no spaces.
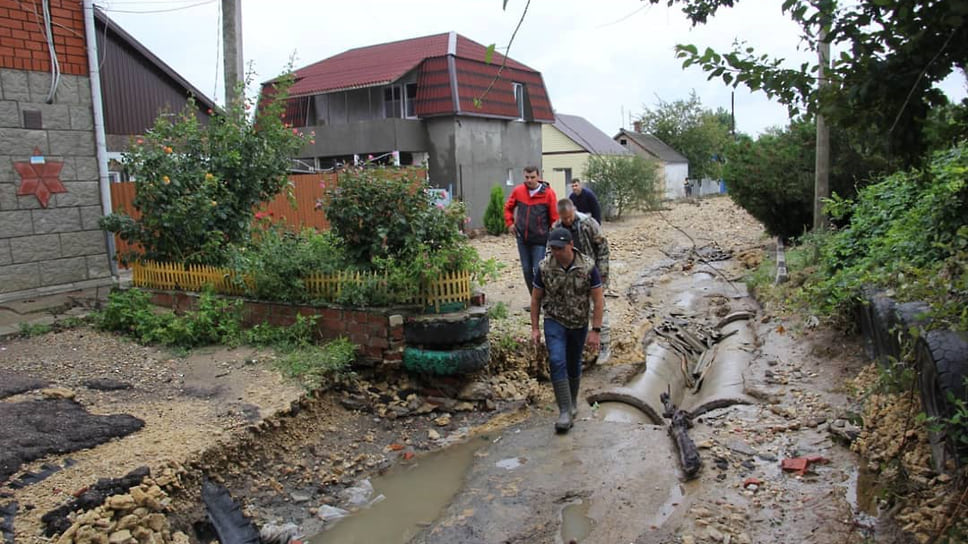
{"x":39,"y":177}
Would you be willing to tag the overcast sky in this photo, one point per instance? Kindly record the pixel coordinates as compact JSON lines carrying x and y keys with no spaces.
{"x":599,"y":58}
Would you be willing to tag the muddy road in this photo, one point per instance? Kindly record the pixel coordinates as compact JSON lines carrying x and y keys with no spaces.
{"x":478,"y":460}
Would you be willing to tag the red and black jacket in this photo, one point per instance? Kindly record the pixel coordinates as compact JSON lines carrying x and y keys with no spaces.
{"x":531,"y":216}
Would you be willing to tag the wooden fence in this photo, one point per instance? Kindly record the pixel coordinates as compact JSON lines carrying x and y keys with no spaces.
{"x":300,"y":212}
{"x":451,"y":288}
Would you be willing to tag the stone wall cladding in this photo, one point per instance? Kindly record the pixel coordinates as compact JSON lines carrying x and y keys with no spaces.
{"x":377,"y":331}
{"x":60,"y":246}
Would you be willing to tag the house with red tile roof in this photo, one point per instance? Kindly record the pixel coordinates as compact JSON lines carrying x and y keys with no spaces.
{"x":434,"y":101}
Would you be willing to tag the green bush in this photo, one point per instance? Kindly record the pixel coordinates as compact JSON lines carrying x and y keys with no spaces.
{"x":907,"y":233}
{"x":624,"y":183}
{"x":494,"y":214}
{"x":773,"y":178}
{"x":388,"y":223}
{"x":197,"y":184}
{"x":278,"y":261}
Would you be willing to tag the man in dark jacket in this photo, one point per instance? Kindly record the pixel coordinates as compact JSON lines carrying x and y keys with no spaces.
{"x":585,"y":200}
{"x":528,"y":213}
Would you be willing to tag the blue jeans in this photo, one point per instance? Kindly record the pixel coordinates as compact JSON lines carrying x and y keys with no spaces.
{"x":530,"y":255}
{"x":565,"y":348}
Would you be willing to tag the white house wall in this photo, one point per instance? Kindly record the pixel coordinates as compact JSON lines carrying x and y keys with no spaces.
{"x":675,"y":180}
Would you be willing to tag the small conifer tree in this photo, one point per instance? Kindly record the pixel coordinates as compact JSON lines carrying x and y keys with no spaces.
{"x":494,"y":214}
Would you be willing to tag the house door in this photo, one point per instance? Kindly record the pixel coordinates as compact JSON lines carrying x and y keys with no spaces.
{"x":561,"y":180}
{"x":567,"y":172}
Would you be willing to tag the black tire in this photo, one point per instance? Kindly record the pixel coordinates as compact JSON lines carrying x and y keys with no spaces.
{"x":942,"y":359}
{"x":862,"y":314}
{"x":447,"y":362}
{"x":882,"y":320}
{"x":446,"y":332}
{"x":907,"y":316}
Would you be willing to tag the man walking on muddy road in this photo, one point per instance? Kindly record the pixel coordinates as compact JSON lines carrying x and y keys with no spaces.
{"x":565,"y":283}
{"x":588,"y":239}
{"x":528,"y":213}
{"x":585,"y":200}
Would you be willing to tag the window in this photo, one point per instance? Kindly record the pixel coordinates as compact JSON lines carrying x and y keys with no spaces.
{"x":410,"y":102}
{"x":624,"y":142}
{"x":391,"y":101}
{"x":519,"y":99}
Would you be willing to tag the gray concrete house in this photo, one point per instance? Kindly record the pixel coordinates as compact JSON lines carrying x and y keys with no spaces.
{"x":432,"y":101}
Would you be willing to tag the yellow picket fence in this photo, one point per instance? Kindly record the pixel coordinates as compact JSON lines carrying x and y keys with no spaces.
{"x":454,"y":287}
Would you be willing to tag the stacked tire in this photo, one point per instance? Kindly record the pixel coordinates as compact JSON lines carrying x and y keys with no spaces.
{"x":448,"y":344}
{"x":940,"y":358}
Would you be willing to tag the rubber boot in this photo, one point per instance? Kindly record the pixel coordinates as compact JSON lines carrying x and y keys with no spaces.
{"x":574,"y":384}
{"x":563,"y":398}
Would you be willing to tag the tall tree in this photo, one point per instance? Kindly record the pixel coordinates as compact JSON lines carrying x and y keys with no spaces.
{"x":698,"y":133}
{"x":883,"y":82}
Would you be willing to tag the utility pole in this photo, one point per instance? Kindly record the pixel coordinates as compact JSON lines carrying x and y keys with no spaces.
{"x":232,"y":47}
{"x":822,"y":168}
{"x":732,"y":113}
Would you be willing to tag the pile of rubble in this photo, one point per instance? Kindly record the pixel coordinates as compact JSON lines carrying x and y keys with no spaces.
{"x":136,"y":517}
{"x":926,"y":502}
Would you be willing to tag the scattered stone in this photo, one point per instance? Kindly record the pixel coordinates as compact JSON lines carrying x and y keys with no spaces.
{"x":299,"y":498}
{"x":122,"y":502}
{"x":442,"y":421}
{"x":476,"y":391}
{"x":57,"y":393}
{"x":106,"y":384}
{"x":433,"y":435}
{"x":120,"y":537}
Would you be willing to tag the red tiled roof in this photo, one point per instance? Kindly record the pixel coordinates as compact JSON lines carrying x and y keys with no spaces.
{"x":474,"y":78}
{"x":383,"y":63}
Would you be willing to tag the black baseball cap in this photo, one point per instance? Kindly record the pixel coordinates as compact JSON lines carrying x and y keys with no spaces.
{"x":560,"y":237}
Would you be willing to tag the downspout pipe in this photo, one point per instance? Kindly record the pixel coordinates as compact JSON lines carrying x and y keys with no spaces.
{"x":100,"y":141}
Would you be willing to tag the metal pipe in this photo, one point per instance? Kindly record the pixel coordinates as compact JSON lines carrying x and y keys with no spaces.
{"x":100,"y":141}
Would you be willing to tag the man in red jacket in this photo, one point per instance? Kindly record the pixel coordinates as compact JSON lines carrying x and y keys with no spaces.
{"x":529,"y":212}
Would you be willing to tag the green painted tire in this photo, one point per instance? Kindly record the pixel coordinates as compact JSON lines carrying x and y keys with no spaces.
{"x":447,"y":363}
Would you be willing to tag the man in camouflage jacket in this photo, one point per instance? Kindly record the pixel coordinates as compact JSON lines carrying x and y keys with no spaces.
{"x":589,"y":240}
{"x":565,"y":283}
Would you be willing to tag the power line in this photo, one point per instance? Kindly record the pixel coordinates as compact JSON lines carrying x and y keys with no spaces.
{"x":206,"y":2}
{"x":646,"y":6}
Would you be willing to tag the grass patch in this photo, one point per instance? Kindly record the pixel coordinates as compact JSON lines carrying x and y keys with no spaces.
{"x":30,"y":330}
{"x":498,"y":311}
{"x":312,"y":365}
{"x":219,"y":321}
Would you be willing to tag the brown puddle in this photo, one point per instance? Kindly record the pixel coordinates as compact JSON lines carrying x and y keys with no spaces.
{"x":414,"y":496}
{"x":575,"y":523}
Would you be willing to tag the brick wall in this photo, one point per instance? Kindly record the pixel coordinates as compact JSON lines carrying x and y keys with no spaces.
{"x":58,"y":247}
{"x":378,"y":332}
{"x":23,"y":44}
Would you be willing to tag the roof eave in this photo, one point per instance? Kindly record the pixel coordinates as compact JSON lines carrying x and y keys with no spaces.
{"x":110,"y":25}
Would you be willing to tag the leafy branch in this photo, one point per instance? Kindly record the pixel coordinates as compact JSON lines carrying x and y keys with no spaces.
{"x":489,"y":56}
